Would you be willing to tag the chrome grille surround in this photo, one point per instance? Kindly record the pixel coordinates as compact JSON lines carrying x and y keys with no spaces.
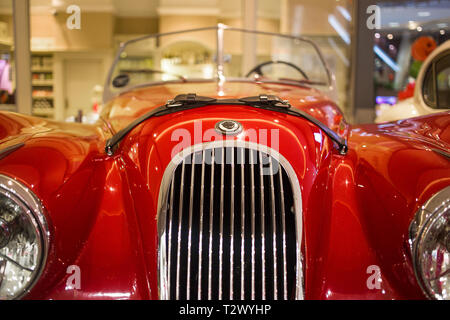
{"x":166,"y":214}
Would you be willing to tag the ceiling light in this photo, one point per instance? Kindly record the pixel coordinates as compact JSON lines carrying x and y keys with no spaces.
{"x":412,"y":25}
{"x":423,"y":13}
{"x":344,"y":13}
{"x":385,"y":57}
{"x":339,"y":28}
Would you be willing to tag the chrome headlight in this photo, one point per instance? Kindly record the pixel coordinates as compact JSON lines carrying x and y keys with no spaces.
{"x":430,"y":242}
{"x":23,"y":239}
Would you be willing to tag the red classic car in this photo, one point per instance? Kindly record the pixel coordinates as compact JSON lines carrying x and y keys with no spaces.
{"x":223,"y":173}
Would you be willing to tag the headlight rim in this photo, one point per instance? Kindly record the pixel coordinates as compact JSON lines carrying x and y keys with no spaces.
{"x":36,"y":212}
{"x":425,"y":217}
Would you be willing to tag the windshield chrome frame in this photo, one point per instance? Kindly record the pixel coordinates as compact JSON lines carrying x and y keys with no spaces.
{"x":220,"y":61}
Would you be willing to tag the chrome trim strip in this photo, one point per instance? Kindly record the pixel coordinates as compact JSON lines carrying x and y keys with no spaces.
{"x":163,"y":194}
{"x":274,"y":233}
{"x":252,"y":206}
{"x":170,"y":234}
{"x":33,"y":207}
{"x":232,"y":224}
{"x":202,"y":199}
{"x":283,"y":224}
{"x":442,"y":153}
{"x":222,"y":186}
{"x":263,"y":230}
{"x":8,"y":150}
{"x":211,"y":217}
{"x":180,"y":218}
{"x":191,"y":204}
{"x":164,"y":272}
{"x":242,"y":224}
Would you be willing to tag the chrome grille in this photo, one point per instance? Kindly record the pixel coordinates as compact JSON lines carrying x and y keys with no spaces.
{"x":229,"y":227}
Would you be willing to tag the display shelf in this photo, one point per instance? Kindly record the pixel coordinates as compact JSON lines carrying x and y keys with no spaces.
{"x":135,"y":63}
{"x":43,"y":97}
{"x":41,"y":70}
{"x":8,"y":107}
{"x":42,"y":84}
{"x":43,"y":112}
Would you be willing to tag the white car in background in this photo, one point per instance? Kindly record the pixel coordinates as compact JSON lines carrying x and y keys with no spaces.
{"x":431,"y":92}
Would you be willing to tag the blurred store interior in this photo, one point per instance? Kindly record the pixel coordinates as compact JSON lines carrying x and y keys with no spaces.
{"x":66,"y":68}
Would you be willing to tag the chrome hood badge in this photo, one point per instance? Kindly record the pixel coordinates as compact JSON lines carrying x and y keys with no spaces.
{"x":228,"y":127}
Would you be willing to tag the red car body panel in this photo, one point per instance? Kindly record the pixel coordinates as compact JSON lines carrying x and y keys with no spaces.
{"x":102,"y":210}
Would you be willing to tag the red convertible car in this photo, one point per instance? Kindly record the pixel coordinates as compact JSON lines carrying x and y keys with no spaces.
{"x":218,"y":172}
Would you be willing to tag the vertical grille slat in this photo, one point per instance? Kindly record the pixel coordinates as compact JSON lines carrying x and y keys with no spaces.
{"x":211,"y":215}
{"x":242,"y":160}
{"x":283,"y":223}
{"x":200,"y":246}
{"x":230,"y":227}
{"x":180,"y":216}
{"x":222,"y":186}
{"x":274,"y":230}
{"x":232,"y":223}
{"x":263,"y":229}
{"x":191,"y":204}
{"x":253,"y":213}
{"x":169,"y":233}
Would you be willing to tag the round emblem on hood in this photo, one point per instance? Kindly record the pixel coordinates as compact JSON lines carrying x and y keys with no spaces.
{"x":228,"y":127}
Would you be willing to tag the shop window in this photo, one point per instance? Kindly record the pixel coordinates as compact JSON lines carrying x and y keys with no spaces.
{"x":7,"y":65}
{"x":429,"y":91}
{"x":443,"y":82}
{"x":436,"y":85}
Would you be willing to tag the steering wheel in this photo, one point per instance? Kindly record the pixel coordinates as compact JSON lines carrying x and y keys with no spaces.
{"x":259,"y":72}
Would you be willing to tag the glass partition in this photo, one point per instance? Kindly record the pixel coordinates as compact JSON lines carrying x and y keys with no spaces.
{"x":7,"y":73}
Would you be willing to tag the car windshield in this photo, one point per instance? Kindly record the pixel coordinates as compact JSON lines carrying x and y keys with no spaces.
{"x":216,"y":53}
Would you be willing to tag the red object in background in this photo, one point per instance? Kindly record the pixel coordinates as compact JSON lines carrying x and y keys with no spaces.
{"x":422,"y":47}
{"x":408,"y":92}
{"x":95,"y":107}
{"x":102,"y":210}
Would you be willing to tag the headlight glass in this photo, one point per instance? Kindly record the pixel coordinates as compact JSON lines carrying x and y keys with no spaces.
{"x":23,"y":239}
{"x":430,"y":239}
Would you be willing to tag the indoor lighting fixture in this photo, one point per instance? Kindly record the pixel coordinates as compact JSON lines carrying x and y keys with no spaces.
{"x":383,"y":56}
{"x":412,"y":25}
{"x":339,"y":28}
{"x":424,"y":13}
{"x":344,"y":13}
